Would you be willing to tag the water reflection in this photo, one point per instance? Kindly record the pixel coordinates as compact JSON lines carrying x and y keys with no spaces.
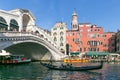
{"x":35,"y":71}
{"x":30,"y":71}
{"x":73,"y":75}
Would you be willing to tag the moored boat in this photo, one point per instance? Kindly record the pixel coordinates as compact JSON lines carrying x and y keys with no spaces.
{"x":7,"y":58}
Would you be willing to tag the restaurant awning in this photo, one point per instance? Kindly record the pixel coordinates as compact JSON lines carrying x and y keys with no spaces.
{"x":97,"y":53}
{"x":74,"y":53}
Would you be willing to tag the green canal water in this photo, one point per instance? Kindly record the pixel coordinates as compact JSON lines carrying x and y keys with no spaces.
{"x":35,"y":71}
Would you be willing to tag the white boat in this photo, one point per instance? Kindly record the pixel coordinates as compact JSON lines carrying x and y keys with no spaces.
{"x":7,"y":58}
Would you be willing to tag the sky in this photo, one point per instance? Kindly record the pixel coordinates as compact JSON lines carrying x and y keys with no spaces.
{"x":103,"y":13}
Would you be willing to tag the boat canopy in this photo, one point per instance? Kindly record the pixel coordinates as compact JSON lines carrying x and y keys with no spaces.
{"x":4,"y":53}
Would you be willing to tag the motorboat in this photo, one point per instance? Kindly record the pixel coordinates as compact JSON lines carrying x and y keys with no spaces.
{"x":8,"y":58}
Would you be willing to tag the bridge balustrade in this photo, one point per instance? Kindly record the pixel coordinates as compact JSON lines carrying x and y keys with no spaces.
{"x":18,"y":36}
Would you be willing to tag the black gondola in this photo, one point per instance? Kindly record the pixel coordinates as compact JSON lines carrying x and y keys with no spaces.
{"x":72,"y":68}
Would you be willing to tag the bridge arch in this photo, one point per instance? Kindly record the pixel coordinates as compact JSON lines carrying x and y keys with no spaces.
{"x":26,"y":20}
{"x":30,"y":49}
{"x":43,"y":47}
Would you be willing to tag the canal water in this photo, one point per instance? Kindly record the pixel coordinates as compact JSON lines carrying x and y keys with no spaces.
{"x":35,"y":71}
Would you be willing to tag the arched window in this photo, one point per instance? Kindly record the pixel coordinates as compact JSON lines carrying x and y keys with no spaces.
{"x":61,"y":44}
{"x":55,"y":39}
{"x":3,"y":24}
{"x":36,"y":31}
{"x":54,"y":34}
{"x":61,"y":33}
{"x":61,"y":38}
{"x":14,"y":25}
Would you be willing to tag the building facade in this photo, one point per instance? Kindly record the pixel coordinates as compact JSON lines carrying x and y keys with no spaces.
{"x":86,"y":37}
{"x":16,"y":20}
{"x":58,"y":34}
{"x":118,"y":41}
{"x":109,"y":42}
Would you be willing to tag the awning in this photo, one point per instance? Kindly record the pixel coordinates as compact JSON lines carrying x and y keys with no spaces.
{"x":97,"y":53}
{"x":74,"y":53}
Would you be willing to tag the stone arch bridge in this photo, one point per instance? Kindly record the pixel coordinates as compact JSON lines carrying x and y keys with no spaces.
{"x":36,"y":46}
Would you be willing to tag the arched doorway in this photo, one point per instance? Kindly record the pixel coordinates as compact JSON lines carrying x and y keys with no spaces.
{"x":26,"y":21}
{"x":14,"y":25}
{"x":3,"y":24}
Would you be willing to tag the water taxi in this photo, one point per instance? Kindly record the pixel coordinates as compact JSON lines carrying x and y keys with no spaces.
{"x":7,"y":58}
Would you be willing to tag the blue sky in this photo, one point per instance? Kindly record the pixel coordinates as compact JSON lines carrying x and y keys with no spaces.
{"x":103,"y":13}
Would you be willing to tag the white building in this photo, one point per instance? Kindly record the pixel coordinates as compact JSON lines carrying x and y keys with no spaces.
{"x":58,"y":34}
{"x":16,"y":20}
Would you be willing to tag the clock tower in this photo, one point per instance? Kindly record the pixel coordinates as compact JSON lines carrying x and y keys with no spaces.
{"x":74,"y":21}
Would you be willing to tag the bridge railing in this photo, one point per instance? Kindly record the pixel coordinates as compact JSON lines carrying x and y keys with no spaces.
{"x":45,"y":33}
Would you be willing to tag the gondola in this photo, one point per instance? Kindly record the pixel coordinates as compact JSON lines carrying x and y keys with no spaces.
{"x":72,"y":68}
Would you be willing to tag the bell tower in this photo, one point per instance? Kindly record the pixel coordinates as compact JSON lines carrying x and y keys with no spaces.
{"x":74,"y":21}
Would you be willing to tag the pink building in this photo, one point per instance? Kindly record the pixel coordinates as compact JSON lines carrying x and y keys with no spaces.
{"x":86,"y":37}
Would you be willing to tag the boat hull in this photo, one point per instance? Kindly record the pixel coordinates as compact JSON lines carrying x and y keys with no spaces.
{"x":14,"y":62}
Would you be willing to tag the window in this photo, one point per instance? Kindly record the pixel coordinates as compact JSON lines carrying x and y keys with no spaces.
{"x":89,"y":30}
{"x":92,"y":35}
{"x":61,"y":38}
{"x":80,"y":30}
{"x":80,"y":49}
{"x":73,"y":39}
{"x":73,"y":34}
{"x":61,"y":33}
{"x":80,"y":35}
{"x":80,"y":43}
{"x":98,"y":35}
{"x":104,"y":35}
{"x":54,"y":34}
{"x":61,"y":44}
{"x":93,"y":43}
{"x":97,"y":49}
{"x":55,"y":29}
{"x":55,"y":39}
{"x":84,"y":49}
{"x":61,"y":28}
{"x":77,"y":40}
{"x":105,"y":45}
